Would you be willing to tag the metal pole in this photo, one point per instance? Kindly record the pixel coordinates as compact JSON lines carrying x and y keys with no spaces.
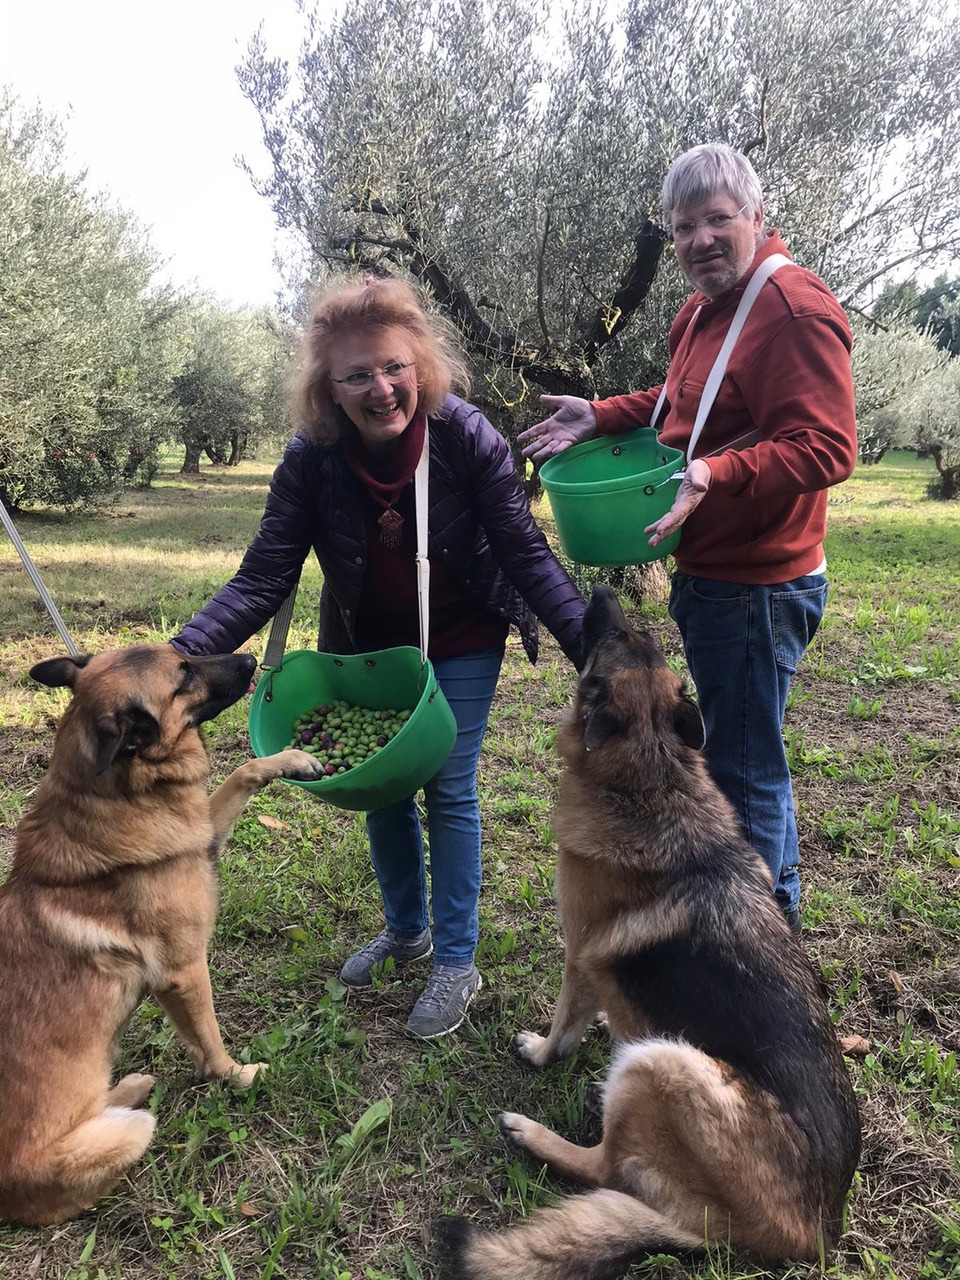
{"x":31,"y":569}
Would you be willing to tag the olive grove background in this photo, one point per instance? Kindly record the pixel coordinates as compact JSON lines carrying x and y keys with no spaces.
{"x":508,"y":154}
{"x":99,"y":369}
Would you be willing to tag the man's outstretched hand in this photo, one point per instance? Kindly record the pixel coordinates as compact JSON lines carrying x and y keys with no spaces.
{"x":693,"y":487}
{"x":572,"y":422}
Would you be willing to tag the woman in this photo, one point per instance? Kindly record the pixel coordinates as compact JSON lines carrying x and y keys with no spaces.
{"x":378,"y":375}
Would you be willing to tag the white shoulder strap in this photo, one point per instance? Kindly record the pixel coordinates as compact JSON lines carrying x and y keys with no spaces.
{"x":421,"y":500}
{"x":756,"y":283}
{"x":715,"y":377}
{"x":277,"y":639}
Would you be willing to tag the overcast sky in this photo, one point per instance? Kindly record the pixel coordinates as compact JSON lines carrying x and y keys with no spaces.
{"x":153,"y":112}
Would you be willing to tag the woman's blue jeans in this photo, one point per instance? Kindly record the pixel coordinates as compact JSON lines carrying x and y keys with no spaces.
{"x":743,"y":645}
{"x":453,"y":824}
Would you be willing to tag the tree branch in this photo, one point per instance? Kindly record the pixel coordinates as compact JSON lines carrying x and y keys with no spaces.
{"x":541,"y":314}
{"x":445,"y":288}
{"x":761,"y":139}
{"x":925,"y":252}
{"x":631,"y":293}
{"x":848,"y":231}
{"x":877,"y":324}
{"x":571,"y":376}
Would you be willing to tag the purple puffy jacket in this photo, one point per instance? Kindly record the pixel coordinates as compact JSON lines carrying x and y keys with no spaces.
{"x":480,"y":526}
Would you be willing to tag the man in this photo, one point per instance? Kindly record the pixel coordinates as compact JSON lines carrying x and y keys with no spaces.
{"x":749,"y":588}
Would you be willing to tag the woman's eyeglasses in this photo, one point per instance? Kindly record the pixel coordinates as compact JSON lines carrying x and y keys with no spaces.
{"x":686,"y":228}
{"x":362,"y":379}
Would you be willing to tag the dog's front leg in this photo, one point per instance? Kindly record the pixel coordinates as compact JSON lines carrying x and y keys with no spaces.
{"x":229,"y":799}
{"x":187,"y":1000}
{"x":576,"y":1008}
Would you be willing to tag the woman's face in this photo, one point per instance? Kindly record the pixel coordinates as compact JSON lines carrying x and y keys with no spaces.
{"x":381,"y":404}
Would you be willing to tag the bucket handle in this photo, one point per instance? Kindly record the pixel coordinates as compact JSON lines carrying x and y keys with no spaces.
{"x":650,"y":489}
{"x":277,"y":640}
{"x":742,"y":442}
{"x":267,"y":678}
{"x":424,"y":677}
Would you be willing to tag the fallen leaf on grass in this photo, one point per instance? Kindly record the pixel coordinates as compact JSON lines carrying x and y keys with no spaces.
{"x":855,"y":1046}
{"x":249,"y":1209}
{"x":896,"y":981}
{"x":273,"y":823}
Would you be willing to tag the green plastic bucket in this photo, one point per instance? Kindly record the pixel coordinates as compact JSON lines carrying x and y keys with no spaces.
{"x":605,"y":492}
{"x":390,"y":678}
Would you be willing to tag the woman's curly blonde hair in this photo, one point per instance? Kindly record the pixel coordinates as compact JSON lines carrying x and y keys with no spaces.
{"x":350,"y":305}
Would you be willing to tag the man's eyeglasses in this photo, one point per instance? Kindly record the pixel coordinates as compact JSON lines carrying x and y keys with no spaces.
{"x":686,"y":228}
{"x":362,"y":379}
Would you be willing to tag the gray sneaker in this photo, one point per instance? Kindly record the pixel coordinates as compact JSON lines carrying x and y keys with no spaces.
{"x":358,"y":968}
{"x":445,"y":1000}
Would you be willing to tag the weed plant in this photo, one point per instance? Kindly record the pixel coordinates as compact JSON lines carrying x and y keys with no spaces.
{"x":334,"y":1166}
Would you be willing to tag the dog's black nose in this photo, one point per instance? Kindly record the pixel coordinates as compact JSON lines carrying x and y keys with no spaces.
{"x":602,"y":617}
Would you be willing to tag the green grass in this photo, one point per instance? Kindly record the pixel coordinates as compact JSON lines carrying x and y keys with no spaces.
{"x":333,"y":1166}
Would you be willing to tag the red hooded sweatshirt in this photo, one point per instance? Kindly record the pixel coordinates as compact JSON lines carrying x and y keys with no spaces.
{"x":789,"y":384}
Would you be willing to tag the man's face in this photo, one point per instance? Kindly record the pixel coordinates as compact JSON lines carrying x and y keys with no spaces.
{"x":714,"y":259}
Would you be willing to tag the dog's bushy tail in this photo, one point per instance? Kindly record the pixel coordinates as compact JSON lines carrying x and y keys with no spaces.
{"x":590,"y":1237}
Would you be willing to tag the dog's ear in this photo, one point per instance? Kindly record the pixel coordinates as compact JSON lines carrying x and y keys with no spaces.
{"x":56,"y":673}
{"x":688,"y":723}
{"x":128,"y":730}
{"x":600,"y":722}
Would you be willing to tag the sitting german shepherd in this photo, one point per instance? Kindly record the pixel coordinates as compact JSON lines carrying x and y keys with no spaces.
{"x":113,"y":893}
{"x":728,"y":1114}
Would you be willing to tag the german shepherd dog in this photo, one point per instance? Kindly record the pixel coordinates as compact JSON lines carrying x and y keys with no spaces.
{"x":113,"y":893}
{"x":728,"y":1114}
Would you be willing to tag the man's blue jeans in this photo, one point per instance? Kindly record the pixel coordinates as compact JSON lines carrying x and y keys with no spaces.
{"x":743,"y":645}
{"x":453,"y":824}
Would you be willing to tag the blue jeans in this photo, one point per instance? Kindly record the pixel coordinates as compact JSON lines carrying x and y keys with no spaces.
{"x":743,"y":644}
{"x":453,"y":824}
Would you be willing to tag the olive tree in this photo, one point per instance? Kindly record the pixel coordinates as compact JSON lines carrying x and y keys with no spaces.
{"x":921,"y":324}
{"x":508,"y":155}
{"x":933,"y":308}
{"x":889,"y":362}
{"x":83,"y":343}
{"x":932,"y":411}
{"x":228,"y":391}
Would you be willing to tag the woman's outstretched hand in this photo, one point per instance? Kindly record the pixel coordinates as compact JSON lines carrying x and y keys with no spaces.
{"x":572,"y":422}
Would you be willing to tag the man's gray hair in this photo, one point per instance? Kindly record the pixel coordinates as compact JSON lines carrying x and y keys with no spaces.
{"x":704,"y":172}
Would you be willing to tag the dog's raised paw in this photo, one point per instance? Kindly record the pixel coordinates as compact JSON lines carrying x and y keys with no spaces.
{"x":300,"y":766}
{"x":244,"y":1076}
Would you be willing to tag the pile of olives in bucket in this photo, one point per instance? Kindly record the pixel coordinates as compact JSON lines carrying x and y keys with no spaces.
{"x":341,"y":736}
